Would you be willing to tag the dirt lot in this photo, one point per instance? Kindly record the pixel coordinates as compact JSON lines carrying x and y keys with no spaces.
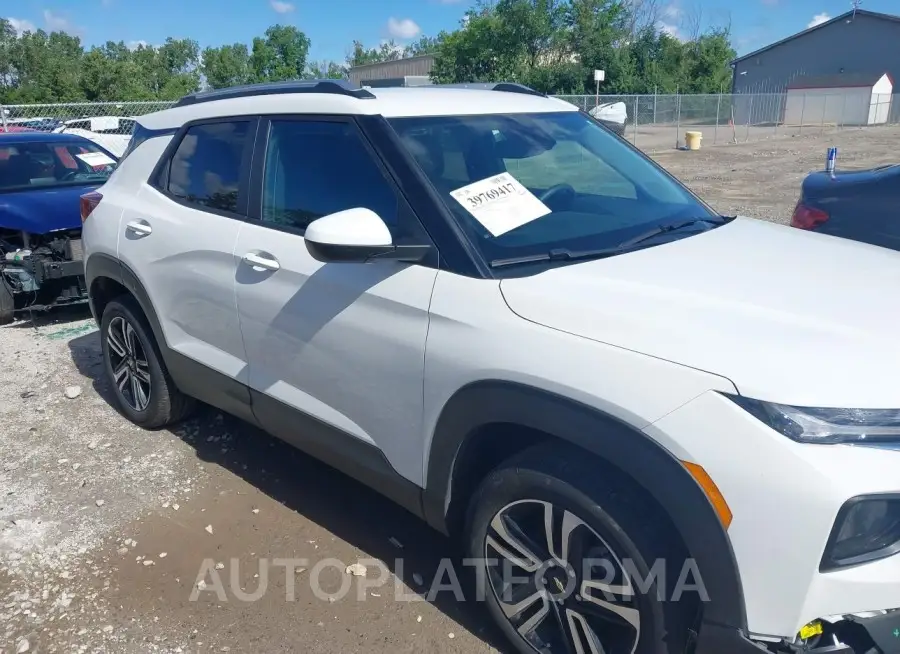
{"x":105,"y":530}
{"x":762,"y":179}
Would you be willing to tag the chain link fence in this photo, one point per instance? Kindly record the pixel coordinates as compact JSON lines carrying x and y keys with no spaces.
{"x":107,"y":123}
{"x":659,"y":122}
{"x":654,"y":122}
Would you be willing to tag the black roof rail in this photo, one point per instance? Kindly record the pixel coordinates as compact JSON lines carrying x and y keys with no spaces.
{"x":333,"y":86}
{"x":508,"y":87}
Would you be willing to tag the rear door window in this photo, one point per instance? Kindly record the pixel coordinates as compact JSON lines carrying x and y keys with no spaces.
{"x":206,"y":168}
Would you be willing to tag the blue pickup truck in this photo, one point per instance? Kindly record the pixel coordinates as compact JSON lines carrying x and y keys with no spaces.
{"x":42,"y":180}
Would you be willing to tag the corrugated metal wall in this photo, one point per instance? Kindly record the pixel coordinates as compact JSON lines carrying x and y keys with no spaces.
{"x":412,"y":66}
{"x":865,"y":45}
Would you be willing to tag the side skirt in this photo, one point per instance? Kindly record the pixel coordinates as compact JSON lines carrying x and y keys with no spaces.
{"x":338,"y":449}
{"x":209,"y":386}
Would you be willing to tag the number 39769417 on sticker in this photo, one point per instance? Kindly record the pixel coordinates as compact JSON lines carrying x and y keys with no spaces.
{"x":500,"y":203}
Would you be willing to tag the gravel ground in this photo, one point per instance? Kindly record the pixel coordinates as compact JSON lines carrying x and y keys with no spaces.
{"x":762,"y":179}
{"x":105,"y":529}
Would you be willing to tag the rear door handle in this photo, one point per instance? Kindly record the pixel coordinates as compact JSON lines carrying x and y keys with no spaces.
{"x":137,"y":227}
{"x":258,"y":261}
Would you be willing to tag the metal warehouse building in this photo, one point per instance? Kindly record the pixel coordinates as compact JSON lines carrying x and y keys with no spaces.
{"x":858,"y":44}
{"x":412,"y":71}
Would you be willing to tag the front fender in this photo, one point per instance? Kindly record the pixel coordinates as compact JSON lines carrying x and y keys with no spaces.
{"x":630,"y":450}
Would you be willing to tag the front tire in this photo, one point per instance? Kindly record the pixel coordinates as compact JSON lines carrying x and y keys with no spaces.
{"x":7,"y":302}
{"x":565,"y":547}
{"x":144,"y":390}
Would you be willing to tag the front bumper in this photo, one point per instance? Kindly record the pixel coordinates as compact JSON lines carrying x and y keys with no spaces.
{"x":785,"y":498}
{"x":859,"y":635}
{"x":879,"y":634}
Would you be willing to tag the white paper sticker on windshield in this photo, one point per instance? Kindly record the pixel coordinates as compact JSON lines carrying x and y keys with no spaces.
{"x":95,"y":159}
{"x":500,"y":203}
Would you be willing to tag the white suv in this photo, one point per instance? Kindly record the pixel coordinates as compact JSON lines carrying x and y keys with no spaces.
{"x":655,"y":429}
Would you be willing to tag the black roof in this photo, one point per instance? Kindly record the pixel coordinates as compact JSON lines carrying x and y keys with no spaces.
{"x":844,"y":16}
{"x":333,"y":86}
{"x":42,"y":137}
{"x":837,"y":81}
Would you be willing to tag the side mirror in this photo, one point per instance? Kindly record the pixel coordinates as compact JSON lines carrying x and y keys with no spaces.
{"x":356,"y":236}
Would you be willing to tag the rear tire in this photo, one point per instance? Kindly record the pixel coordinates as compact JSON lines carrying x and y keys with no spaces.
{"x":7,"y":302}
{"x":144,"y":390}
{"x":596,"y":514}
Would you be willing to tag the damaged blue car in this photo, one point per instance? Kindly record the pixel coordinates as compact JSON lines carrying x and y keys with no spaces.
{"x":42,"y":179}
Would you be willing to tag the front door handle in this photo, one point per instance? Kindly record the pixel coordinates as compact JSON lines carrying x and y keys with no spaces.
{"x":139,"y":227}
{"x":258,"y":261}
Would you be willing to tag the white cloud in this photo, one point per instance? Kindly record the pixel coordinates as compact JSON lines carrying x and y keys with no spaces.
{"x":402,"y":28}
{"x":670,"y":29}
{"x":670,"y":18}
{"x":134,"y":45}
{"x":20,"y":25}
{"x":818,"y":19}
{"x":670,"y":12}
{"x":57,"y":23}
{"x":281,"y":7}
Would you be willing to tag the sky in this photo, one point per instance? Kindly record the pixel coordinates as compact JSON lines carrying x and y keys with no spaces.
{"x":334,"y":24}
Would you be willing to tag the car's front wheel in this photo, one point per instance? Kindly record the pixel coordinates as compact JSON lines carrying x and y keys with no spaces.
{"x":144,"y":390}
{"x":7,"y":302}
{"x":574,"y":560}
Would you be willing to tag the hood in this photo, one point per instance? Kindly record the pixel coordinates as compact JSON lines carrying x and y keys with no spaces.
{"x":43,"y":210}
{"x":613,"y":111}
{"x":787,"y":315}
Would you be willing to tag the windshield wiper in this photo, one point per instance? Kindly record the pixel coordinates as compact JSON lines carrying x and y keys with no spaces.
{"x":562,"y":254}
{"x":558,"y":254}
{"x":664,"y":229}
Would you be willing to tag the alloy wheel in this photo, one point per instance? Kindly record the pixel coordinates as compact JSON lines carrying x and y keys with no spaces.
{"x":559,"y":583}
{"x":131,"y":372}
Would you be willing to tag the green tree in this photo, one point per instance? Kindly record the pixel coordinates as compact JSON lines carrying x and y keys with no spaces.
{"x":482,"y":51}
{"x":325,"y":70}
{"x":109,"y":73}
{"x":360,"y":55}
{"x":555,"y":45}
{"x":47,"y":67}
{"x":228,"y":65}
{"x":706,"y":68}
{"x":424,"y":45}
{"x":177,"y":68}
{"x":8,"y":45}
{"x":280,"y":56}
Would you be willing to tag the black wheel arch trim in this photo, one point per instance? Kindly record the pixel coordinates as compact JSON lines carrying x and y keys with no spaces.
{"x":103,"y":265}
{"x":649,"y":464}
{"x":213,"y":388}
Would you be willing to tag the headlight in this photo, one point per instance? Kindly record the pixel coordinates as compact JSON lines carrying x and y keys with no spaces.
{"x":867,"y":529}
{"x":814,"y":425}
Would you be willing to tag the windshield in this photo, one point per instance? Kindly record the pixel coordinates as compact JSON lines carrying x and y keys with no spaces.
{"x":525,"y":184}
{"x":48,"y":164}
